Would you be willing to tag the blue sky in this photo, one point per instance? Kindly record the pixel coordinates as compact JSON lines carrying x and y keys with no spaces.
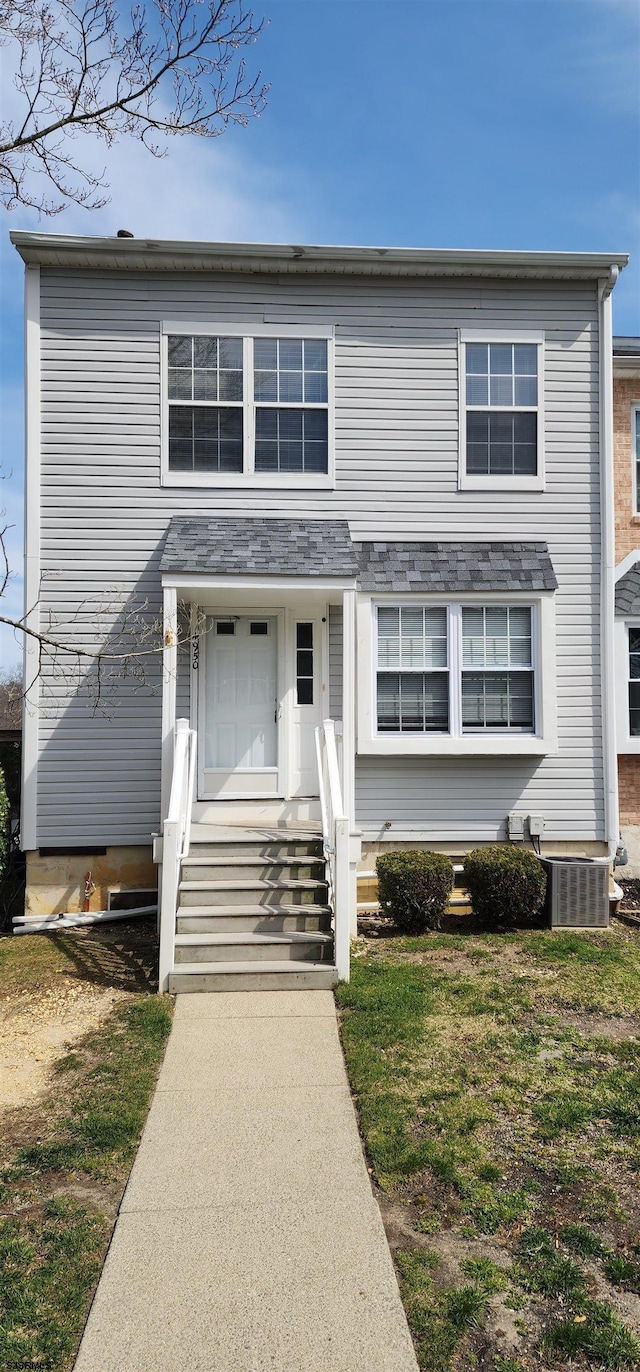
{"x":430,"y":123}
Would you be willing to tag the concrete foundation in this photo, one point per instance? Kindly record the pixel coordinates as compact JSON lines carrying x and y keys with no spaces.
{"x":55,"y":885}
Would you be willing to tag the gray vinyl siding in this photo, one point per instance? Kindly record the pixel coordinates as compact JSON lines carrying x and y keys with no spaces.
{"x":105,"y":515}
{"x":335,"y":661}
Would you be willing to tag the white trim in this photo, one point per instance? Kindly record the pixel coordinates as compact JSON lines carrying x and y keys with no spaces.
{"x":248,"y":478}
{"x":624,"y":741}
{"x":607,"y":563}
{"x":541,"y":743}
{"x":473,"y":482}
{"x":184,"y":581}
{"x":245,"y":328}
{"x":635,"y":455}
{"x":627,"y":562}
{"x":31,"y":656}
{"x":169,"y":678}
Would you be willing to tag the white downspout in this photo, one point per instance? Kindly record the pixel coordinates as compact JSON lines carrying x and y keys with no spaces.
{"x":607,"y":565}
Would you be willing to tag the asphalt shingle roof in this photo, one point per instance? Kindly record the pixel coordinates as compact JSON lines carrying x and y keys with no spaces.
{"x":455,"y":567}
{"x":323,"y":547}
{"x":628,"y":592}
{"x":259,"y":547}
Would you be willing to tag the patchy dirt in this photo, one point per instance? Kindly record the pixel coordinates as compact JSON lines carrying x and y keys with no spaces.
{"x":37,"y":1028}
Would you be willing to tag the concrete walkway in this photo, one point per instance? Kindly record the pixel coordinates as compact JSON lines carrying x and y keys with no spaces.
{"x":248,"y":1237}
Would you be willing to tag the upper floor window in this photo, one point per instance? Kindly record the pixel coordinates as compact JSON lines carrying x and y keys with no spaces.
{"x":247,"y":406}
{"x":501,"y":412}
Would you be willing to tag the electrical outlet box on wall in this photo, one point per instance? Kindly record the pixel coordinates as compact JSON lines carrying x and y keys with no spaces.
{"x":536,"y":826}
{"x":515,"y":826}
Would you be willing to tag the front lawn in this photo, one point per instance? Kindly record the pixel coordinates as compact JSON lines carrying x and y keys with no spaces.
{"x":497,"y":1080}
{"x":67,"y":1154}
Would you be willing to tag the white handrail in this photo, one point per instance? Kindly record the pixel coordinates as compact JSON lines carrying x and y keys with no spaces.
{"x":335,"y":839}
{"x":176,"y":837}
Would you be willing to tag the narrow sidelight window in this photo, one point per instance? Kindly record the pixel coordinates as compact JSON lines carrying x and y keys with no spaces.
{"x":304,"y":664}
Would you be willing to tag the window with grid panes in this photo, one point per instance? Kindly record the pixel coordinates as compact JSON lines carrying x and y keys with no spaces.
{"x":473,"y":661}
{"x":271,"y":418}
{"x":501,"y":394}
{"x":634,"y":682}
{"x":412,"y":678}
{"x":497,"y":671}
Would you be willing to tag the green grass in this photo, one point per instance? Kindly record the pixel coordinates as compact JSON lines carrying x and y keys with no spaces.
{"x":489,"y":1104}
{"x":52,"y":1247}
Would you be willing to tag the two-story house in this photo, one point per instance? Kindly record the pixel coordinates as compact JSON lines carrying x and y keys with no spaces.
{"x":368,"y":496}
{"x":626,"y":437}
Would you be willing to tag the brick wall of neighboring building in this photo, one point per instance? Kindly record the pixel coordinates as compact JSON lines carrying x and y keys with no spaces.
{"x":629,"y":788}
{"x":625,"y":390}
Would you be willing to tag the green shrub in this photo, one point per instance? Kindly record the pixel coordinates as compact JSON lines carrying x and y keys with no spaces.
{"x":505,"y":885}
{"x":414,"y":888}
{"x":4,"y":823}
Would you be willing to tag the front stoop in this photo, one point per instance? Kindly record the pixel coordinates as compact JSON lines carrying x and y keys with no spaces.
{"x":253,"y":912}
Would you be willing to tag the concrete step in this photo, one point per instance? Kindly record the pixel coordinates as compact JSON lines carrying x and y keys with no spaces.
{"x":198,"y":867}
{"x":199,"y":920}
{"x":259,"y":976}
{"x":263,"y":893}
{"x":237,"y":947}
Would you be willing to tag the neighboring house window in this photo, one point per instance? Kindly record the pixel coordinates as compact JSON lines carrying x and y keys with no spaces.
{"x":458,"y":669}
{"x":634,"y":682}
{"x":635,"y":439}
{"x":247,"y":405}
{"x":501,"y":397}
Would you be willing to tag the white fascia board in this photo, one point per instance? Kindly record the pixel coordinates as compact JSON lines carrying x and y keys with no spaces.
{"x":627,"y":563}
{"x":184,"y":582}
{"x":171,"y":254}
{"x":31,"y":657}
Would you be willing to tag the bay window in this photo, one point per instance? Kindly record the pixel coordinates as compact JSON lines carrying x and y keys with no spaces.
{"x":454,"y":669}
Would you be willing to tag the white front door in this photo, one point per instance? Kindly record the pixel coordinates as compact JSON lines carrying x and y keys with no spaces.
{"x":239,"y":706}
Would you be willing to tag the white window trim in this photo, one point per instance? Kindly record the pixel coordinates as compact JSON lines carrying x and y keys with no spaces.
{"x":634,"y":411}
{"x":248,"y":478}
{"x":542,"y":742}
{"x":499,"y":483}
{"x":625,"y":742}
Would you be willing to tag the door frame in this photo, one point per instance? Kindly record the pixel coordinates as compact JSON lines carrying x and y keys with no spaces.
{"x":286,"y":618}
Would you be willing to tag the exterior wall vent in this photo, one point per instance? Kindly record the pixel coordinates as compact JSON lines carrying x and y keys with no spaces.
{"x":577,"y":892}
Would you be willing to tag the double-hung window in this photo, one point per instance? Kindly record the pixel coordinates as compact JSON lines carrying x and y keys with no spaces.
{"x":501,"y":415}
{"x":247,"y":407}
{"x":456,"y":669}
{"x":634,"y":681}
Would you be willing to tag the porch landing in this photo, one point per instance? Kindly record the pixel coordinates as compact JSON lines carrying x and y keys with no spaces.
{"x":249,"y":1238}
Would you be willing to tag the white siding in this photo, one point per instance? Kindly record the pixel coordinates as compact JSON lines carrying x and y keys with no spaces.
{"x":104,"y":516}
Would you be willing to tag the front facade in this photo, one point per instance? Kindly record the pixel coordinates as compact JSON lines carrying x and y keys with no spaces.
{"x":370,"y":487}
{"x":626,"y":425}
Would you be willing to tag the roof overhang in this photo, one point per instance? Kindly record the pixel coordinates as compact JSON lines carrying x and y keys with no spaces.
{"x":148,"y":254}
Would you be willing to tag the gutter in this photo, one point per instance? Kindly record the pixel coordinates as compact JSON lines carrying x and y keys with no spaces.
{"x":607,"y":564}
{"x":151,"y":254}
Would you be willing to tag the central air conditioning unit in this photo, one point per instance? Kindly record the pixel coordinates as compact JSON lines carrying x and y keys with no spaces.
{"x":577,"y":892}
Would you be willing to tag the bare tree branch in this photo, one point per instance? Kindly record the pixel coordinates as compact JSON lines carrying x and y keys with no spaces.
{"x":162,"y":68}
